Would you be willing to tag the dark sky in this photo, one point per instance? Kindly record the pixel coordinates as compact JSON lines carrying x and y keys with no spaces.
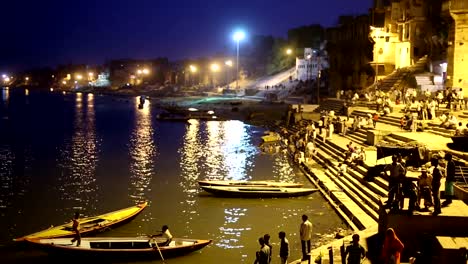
{"x":49,"y":32}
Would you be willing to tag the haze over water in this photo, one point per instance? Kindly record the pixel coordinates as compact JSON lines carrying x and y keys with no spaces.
{"x":96,"y":154}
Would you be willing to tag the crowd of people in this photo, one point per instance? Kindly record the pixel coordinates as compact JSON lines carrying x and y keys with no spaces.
{"x":427,"y":187}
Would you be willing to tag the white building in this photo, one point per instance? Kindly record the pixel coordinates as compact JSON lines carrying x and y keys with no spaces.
{"x":309,"y":67}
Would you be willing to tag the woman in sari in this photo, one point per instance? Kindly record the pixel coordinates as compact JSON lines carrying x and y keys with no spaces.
{"x":392,"y":248}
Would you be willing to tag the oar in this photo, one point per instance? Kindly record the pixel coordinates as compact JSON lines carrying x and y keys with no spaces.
{"x":159,"y":250}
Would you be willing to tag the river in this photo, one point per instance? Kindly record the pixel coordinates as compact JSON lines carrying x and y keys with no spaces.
{"x":62,"y":153}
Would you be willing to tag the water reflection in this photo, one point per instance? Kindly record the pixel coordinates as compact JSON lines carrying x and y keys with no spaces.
{"x":5,"y":95}
{"x":223,"y":150}
{"x":78,"y":158}
{"x":6,"y":177}
{"x":142,"y":153}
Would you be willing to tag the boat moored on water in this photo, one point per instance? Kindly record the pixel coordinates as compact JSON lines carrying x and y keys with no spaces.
{"x":89,"y":224}
{"x":258,"y":192}
{"x":121,"y":247}
{"x":250,"y":183}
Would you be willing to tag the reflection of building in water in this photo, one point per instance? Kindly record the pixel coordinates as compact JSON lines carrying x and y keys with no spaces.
{"x":5,"y":95}
{"x":142,"y":153}
{"x":79,"y":157}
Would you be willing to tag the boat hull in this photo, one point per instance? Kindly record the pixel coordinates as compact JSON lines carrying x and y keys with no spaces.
{"x":258,"y":192}
{"x":119,"y":247}
{"x":250,"y":184}
{"x":90,"y":225}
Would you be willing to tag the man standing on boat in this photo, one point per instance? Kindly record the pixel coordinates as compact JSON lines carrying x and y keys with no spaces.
{"x":76,"y":229}
{"x":306,"y":234}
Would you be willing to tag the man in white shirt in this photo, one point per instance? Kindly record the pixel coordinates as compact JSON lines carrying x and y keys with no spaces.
{"x":306,"y":234}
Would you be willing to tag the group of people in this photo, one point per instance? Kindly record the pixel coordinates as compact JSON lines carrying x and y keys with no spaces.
{"x":427,"y":188}
{"x":264,"y":255}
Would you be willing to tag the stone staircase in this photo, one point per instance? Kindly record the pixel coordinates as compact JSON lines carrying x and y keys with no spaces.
{"x":330,"y":105}
{"x":367,"y":195}
{"x":395,"y":121}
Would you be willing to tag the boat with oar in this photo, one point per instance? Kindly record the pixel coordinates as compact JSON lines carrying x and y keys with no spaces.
{"x":250,"y":183}
{"x":257,"y":192}
{"x":121,"y":247}
{"x":89,"y":224}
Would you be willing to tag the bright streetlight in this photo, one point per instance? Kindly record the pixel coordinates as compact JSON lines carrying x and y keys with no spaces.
{"x":214,"y":67}
{"x":238,"y":36}
{"x":193,"y":68}
{"x":289,"y":51}
{"x":145,"y":71}
{"x":228,"y":63}
{"x":79,"y":77}
{"x":139,"y":71}
{"x":26,"y":78}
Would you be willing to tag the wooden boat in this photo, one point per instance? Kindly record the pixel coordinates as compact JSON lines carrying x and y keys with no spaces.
{"x":89,"y":224}
{"x":250,"y":184}
{"x":257,"y":192}
{"x":120,"y":247}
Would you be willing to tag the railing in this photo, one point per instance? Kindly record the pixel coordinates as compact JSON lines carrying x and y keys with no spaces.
{"x":458,"y":5}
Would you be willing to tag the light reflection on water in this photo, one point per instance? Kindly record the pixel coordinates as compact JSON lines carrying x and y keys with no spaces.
{"x":143,"y":152}
{"x":78,"y":159}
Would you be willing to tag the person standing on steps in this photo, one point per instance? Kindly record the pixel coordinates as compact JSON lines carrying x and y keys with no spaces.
{"x":450,"y":178}
{"x":355,"y":251}
{"x":375,"y":118}
{"x":397,"y":171}
{"x":284,"y":247}
{"x":263,"y":255}
{"x":436,"y":177}
{"x":305,"y":232}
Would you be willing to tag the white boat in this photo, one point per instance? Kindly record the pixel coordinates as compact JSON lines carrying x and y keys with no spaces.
{"x":257,"y":192}
{"x":250,"y":183}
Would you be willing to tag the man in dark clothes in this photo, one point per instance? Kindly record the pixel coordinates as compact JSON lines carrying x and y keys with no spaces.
{"x":436,"y":177}
{"x":450,"y":174}
{"x":263,"y":255}
{"x":355,"y":250}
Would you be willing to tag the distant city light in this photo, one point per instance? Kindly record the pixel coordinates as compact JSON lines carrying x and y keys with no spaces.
{"x":191,"y":109}
{"x":26,"y":78}
{"x":228,"y":63}
{"x":214,"y":67}
{"x":139,"y":71}
{"x":238,"y":35}
{"x":193,"y":68}
{"x":64,"y":82}
{"x":309,"y":56}
{"x":145,"y":71}
{"x":6,"y":79}
{"x":289,"y":51}
{"x":51,"y":89}
{"x":79,"y":77}
{"x":90,"y":74}
{"x":4,"y":76}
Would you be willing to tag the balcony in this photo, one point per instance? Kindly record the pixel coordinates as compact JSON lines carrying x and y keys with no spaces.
{"x":458,"y":6}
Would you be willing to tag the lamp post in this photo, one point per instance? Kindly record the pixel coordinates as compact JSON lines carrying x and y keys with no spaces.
{"x":193,"y":70}
{"x":238,"y":36}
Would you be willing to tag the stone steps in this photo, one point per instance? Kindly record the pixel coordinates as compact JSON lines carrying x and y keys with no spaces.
{"x":365,"y":203}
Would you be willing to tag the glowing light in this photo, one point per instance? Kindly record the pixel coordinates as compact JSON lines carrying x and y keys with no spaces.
{"x":309,"y":56}
{"x":139,"y":72}
{"x":238,"y":35}
{"x":289,"y":51}
{"x":193,"y":68}
{"x":145,"y":71}
{"x":91,"y":74}
{"x":210,"y":112}
{"x":132,"y":77}
{"x":51,"y":89}
{"x":26,"y":78}
{"x":6,"y":79}
{"x":191,"y":109}
{"x":228,"y":63}
{"x":214,"y":67}
{"x":79,"y":77}
{"x":4,"y":76}
{"x":64,"y":82}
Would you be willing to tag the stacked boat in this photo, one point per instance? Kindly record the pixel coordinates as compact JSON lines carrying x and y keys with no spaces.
{"x":57,"y":239}
{"x":255,"y":189}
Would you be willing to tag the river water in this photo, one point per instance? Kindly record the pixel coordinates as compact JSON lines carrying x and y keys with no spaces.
{"x":62,"y":153}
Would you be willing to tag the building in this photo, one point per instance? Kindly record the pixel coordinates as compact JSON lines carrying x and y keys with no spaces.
{"x":309,"y":67}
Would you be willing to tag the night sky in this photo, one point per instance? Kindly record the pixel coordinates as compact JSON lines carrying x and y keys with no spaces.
{"x":50,"y":32}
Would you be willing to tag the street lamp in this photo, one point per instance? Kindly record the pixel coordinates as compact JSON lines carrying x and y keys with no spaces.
{"x":289,"y":51}
{"x":238,"y":36}
{"x":193,"y":70}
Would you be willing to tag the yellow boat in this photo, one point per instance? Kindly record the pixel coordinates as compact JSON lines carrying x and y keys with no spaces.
{"x":89,"y":224}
